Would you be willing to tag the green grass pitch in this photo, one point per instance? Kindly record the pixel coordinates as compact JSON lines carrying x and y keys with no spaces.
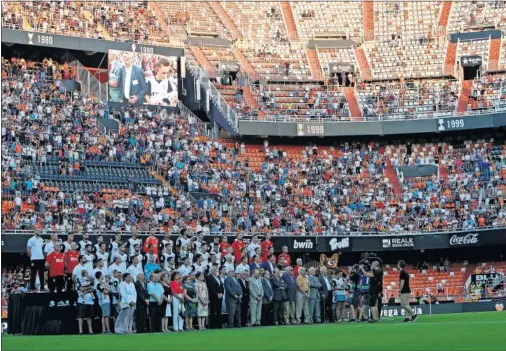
{"x":465,"y":331}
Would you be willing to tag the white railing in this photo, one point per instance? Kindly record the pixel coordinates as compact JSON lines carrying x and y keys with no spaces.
{"x":284,"y":233}
{"x":89,"y":83}
{"x":390,"y":117}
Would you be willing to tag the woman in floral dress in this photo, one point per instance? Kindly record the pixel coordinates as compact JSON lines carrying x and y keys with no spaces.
{"x":190,"y":303}
{"x":203,"y":300}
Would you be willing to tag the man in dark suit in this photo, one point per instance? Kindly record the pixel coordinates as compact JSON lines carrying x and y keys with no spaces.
{"x":243,"y":281}
{"x":279,"y":298}
{"x":142,"y":303}
{"x":267,"y":300}
{"x":326,"y":295}
{"x":216,"y":291}
{"x":233,"y":298}
{"x":269,"y":265}
{"x":257,"y":263}
{"x":291,"y":291}
{"x":131,"y":81}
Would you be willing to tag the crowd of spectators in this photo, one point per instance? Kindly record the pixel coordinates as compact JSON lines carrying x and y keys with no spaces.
{"x":311,"y":191}
{"x":488,"y":92}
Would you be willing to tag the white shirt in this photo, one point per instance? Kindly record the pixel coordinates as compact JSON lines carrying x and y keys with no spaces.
{"x":49,"y":247}
{"x":89,"y":263}
{"x":241,"y":268}
{"x":104,"y":256}
{"x":114,"y":267}
{"x":128,"y":77}
{"x":132,"y":243}
{"x":82,"y":246}
{"x":78,"y":270}
{"x":36,"y":244}
{"x":103,"y":270}
{"x":229,"y":266}
{"x":134,"y":270}
{"x":184,"y":270}
{"x":251,"y":249}
{"x":127,"y":293}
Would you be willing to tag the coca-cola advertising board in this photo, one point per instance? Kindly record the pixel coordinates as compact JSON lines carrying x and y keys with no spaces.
{"x":470,"y":239}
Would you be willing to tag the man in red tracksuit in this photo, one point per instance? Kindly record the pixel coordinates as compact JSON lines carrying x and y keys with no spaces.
{"x":56,"y":265}
{"x":266,"y":245}
{"x":70,"y":260}
{"x":237,"y":246}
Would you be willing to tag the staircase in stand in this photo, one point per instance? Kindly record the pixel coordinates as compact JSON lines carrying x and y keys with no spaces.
{"x":451,"y":56}
{"x":202,"y":60}
{"x":245,"y":64}
{"x":159,"y":13}
{"x":392,"y":177}
{"x":368,"y":20}
{"x":494,"y":54}
{"x":101,"y":28}
{"x":363,"y":65}
{"x":225,"y":19}
{"x":291,"y":27}
{"x":445,"y":15}
{"x":351,"y":99}
{"x":249,"y":99}
{"x":464,"y":95}
{"x":314,"y":64}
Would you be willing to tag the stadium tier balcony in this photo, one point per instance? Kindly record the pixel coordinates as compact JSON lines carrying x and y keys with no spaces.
{"x":414,"y":99}
{"x":329,"y":19}
{"x":474,"y":47}
{"x":193,"y":18}
{"x":488,"y":92}
{"x":475,"y":15}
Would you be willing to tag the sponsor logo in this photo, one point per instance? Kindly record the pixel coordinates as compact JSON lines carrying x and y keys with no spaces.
{"x":308,"y":244}
{"x":468,"y":239}
{"x":336,"y":244}
{"x":499,"y":307}
{"x":394,"y":312}
{"x":398,"y":243}
{"x":486,"y":277}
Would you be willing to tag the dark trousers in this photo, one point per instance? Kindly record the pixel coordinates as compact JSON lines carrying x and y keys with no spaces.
{"x":267,"y":313}
{"x":69,"y":282}
{"x":234,"y":312}
{"x":155,"y":316}
{"x":37,"y":267}
{"x":215,"y":313}
{"x":244,"y":311}
{"x":56,"y":283}
{"x":327,"y":313}
{"x":278,"y":311}
{"x":140,"y":318}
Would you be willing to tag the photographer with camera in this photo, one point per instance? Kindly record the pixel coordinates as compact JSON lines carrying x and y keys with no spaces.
{"x":355,"y":295}
{"x":375,"y":276}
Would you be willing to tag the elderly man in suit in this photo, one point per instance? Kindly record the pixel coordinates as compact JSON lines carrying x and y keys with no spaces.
{"x":256,"y":294}
{"x":279,"y":297}
{"x":268,"y":297}
{"x":142,"y":303}
{"x":131,"y":81}
{"x":326,"y":295}
{"x":291,"y":291}
{"x":302,"y":297}
{"x":314,"y":296}
{"x":233,"y":298}
{"x":216,"y":291}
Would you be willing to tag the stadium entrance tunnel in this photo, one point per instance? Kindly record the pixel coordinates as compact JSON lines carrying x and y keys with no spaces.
{"x":471,"y":72}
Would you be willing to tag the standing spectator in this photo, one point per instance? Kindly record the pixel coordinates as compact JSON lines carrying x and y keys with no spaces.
{"x":34,"y":250}
{"x":270,"y":264}
{"x":151,"y":266}
{"x":85,"y":299}
{"x":279,"y":297}
{"x":237,"y":246}
{"x":302,"y":297}
{"x":190,"y":303}
{"x":56,"y":265}
{"x":298,"y":266}
{"x":405,"y":291}
{"x":166,"y":308}
{"x":326,"y":295}
{"x":49,"y":247}
{"x":233,"y":299}
{"x":256,"y":291}
{"x":314,"y":296}
{"x":243,"y":266}
{"x":71,"y":260}
{"x":284,"y":257}
{"x":339,"y":296}
{"x":178,"y":294}
{"x":203,"y":300}
{"x":266,"y":245}
{"x":133,"y":269}
{"x":142,"y":303}
{"x":155,"y":291}
{"x":128,"y":294}
{"x":216,"y":291}
{"x":243,"y":281}
{"x":267,"y":299}
{"x":104,"y":301}
{"x":291,"y":292}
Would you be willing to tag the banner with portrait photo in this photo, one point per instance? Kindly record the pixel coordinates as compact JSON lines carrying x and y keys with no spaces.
{"x":142,"y":78}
